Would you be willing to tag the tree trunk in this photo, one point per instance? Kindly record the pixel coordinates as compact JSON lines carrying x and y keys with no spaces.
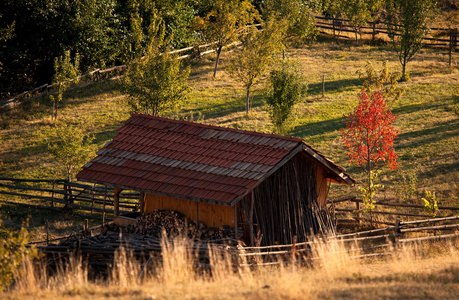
{"x":54,"y":107}
{"x":247,"y":101}
{"x":404,"y":69}
{"x":219,"y":50}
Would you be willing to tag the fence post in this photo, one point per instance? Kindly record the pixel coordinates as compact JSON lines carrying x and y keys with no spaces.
{"x":66,"y":194}
{"x":397,"y":231}
{"x":323,"y":86}
{"x":103,"y":213}
{"x":92,"y":205}
{"x":357,"y":208}
{"x":452,"y":44}
{"x":47,"y":232}
{"x":373,"y":35}
{"x":52,"y":194}
{"x":333,"y":21}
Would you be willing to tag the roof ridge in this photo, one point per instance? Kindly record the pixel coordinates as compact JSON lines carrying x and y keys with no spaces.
{"x":290,"y":138}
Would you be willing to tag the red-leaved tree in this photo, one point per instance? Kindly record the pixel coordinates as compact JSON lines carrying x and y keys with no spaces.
{"x":369,"y":137}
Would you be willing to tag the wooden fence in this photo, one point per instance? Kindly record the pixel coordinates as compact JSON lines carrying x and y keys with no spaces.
{"x":96,"y":201}
{"x":100,"y":76}
{"x":441,"y":38}
{"x":356,"y":214}
{"x":99,"y":251}
{"x":364,"y":244}
{"x":89,"y":201}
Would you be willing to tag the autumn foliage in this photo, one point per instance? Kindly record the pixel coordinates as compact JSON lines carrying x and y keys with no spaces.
{"x":369,"y":134}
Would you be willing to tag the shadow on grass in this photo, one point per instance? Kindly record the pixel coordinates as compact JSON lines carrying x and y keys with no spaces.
{"x":211,"y":110}
{"x":443,"y":131}
{"x":107,"y":134}
{"x":318,"y":128}
{"x":444,"y":168}
{"x":335,"y":86}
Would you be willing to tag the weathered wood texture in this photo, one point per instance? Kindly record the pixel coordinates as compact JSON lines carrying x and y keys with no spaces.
{"x":211,"y":215}
{"x":285,"y":206}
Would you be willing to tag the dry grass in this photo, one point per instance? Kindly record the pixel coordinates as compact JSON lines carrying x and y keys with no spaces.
{"x":427,"y":118}
{"x":428,"y":271}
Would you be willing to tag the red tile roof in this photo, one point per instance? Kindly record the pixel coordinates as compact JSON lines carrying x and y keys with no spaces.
{"x":189,"y":160}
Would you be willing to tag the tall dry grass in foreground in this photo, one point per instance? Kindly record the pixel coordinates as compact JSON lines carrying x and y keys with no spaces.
{"x":420,"y":271}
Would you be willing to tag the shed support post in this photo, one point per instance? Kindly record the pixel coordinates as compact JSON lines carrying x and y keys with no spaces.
{"x":197,"y":215}
{"x":103,"y":213}
{"x":236,"y":233}
{"x":116,"y":204}
{"x":251,"y":220}
{"x":142,"y":202}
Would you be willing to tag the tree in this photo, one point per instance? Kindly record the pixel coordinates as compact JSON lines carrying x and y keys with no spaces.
{"x":407,"y":24}
{"x":14,"y":250}
{"x":6,"y":34}
{"x":285,"y":91}
{"x":71,"y":147}
{"x":225,"y":22}
{"x":64,"y":72}
{"x":383,"y":80}
{"x":156,"y":81}
{"x":360,"y":12}
{"x":369,"y":137}
{"x":296,"y":13}
{"x":94,"y":28}
{"x":257,"y":53}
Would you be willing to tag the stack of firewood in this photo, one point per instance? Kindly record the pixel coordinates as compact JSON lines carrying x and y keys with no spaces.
{"x":173,"y":223}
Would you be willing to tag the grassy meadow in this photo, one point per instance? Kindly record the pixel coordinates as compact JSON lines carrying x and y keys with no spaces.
{"x":428,"y":271}
{"x":427,"y":147}
{"x":427,"y":114}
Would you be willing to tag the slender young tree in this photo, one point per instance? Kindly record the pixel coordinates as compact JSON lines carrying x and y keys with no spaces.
{"x":285,"y":90}
{"x":360,"y":12}
{"x":256,"y":55}
{"x":71,"y":147}
{"x":65,"y":72}
{"x":369,"y":137}
{"x":296,"y":13}
{"x":225,"y":23}
{"x":408,"y":23}
{"x":156,"y":81}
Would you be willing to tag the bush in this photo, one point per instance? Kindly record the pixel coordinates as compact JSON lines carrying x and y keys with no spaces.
{"x":13,"y":251}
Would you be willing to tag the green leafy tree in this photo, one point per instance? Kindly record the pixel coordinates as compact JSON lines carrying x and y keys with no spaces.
{"x":360,"y":12}
{"x":6,"y":34}
{"x":65,"y":72}
{"x":285,"y":90}
{"x":178,"y":16}
{"x":299,"y":17}
{"x":384,"y":81}
{"x":430,"y":203}
{"x":14,"y":249}
{"x":256,"y":55}
{"x":225,"y":23}
{"x":95,"y":32}
{"x":71,"y":147}
{"x":408,"y":24}
{"x":369,"y":191}
{"x":155,"y":82}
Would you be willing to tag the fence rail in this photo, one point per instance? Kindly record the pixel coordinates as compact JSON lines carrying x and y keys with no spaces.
{"x":442,"y":38}
{"x":414,"y":210}
{"x":438,"y":37}
{"x":91,"y":201}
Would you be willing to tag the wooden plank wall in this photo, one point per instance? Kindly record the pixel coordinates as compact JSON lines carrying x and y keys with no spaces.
{"x":322,"y":182}
{"x":211,"y":215}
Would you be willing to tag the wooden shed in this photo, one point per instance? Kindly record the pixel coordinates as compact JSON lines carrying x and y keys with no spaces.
{"x":263,"y":185}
